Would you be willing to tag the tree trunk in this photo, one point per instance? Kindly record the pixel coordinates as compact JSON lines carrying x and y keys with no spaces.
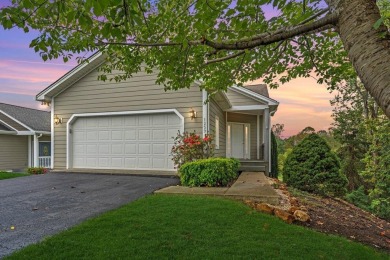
{"x":368,"y":48}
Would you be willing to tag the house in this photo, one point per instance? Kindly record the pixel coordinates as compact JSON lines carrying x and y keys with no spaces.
{"x":24,"y":138}
{"x":130,"y":124}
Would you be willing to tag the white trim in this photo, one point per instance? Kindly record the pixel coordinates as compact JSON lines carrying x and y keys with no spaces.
{"x":24,"y":133}
{"x":7,"y":125}
{"x":269,"y":143}
{"x":64,"y":78}
{"x":266,"y":133}
{"x":254,"y":95}
{"x":205,"y":120}
{"x":29,"y":150}
{"x":52,"y":133}
{"x":228,"y":140}
{"x":139,"y":112}
{"x":217,"y":130}
{"x":252,"y":107}
{"x":258,"y":137}
{"x":17,"y":121}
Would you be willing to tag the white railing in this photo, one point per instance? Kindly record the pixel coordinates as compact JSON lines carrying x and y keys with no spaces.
{"x":45,"y":161}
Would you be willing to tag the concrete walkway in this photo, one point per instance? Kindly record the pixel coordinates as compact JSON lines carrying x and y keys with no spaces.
{"x":249,"y":185}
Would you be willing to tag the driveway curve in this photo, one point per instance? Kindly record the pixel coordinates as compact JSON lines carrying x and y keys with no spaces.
{"x":34,"y":207}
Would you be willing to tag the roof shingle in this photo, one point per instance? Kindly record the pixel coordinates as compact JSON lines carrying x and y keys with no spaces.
{"x":37,"y":120}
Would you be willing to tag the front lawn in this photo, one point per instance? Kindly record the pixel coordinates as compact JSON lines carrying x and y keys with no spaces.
{"x":10,"y":175}
{"x":185,"y":227}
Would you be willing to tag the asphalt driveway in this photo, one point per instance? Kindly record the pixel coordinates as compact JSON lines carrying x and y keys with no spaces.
{"x":42,"y":205}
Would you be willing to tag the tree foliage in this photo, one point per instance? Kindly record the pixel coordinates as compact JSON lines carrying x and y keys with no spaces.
{"x":313,"y":167}
{"x":219,"y":42}
{"x":364,"y":134}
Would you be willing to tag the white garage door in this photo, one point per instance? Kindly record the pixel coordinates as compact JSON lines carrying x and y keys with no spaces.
{"x":124,"y":142}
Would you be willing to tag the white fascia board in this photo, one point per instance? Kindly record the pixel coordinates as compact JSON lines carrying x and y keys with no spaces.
{"x":137,"y":112}
{"x":67,"y":76}
{"x":52,"y":133}
{"x":252,"y":107}
{"x":43,"y":132}
{"x":25,"y":133}
{"x":7,"y":125}
{"x":17,"y":121}
{"x":254,"y":95}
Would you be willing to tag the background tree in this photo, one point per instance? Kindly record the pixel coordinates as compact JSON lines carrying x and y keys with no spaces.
{"x":220,"y":42}
{"x":364,"y":134}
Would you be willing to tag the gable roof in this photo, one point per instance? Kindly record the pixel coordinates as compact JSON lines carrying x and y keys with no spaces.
{"x":260,"y":89}
{"x":31,"y":119}
{"x":71,"y":77}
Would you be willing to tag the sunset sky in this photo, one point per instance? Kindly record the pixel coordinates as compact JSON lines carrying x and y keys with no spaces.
{"x":23,"y":74}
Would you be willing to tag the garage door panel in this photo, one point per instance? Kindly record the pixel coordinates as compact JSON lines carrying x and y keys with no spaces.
{"x":144,"y":148}
{"x":144,"y":120}
{"x":130,"y":148}
{"x":104,"y":162}
{"x":131,"y":134}
{"x":91,"y":162}
{"x":92,"y":135}
{"x":159,"y":149}
{"x":125,"y":142}
{"x":92,"y":149}
{"x":144,"y":162}
{"x":131,"y":163}
{"x":144,"y":134}
{"x":104,"y":135}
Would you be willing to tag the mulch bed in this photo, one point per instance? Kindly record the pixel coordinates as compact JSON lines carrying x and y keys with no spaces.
{"x":336,"y":216}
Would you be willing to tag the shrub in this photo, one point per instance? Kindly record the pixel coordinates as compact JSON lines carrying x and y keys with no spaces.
{"x":359,"y":198}
{"x":313,"y":167}
{"x":274,"y":157}
{"x":37,"y":170}
{"x":189,"y":147}
{"x":211,"y":172}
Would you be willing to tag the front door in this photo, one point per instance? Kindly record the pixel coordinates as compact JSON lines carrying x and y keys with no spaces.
{"x":238,"y":141}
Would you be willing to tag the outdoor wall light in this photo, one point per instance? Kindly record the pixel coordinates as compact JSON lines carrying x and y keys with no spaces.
{"x":44,"y":103}
{"x":192,"y":114}
{"x":57,"y":120}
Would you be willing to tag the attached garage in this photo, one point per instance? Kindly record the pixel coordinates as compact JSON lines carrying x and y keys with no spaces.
{"x":137,"y":140}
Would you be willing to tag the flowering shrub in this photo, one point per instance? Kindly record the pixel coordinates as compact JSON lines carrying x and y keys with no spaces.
{"x":37,"y":170}
{"x":189,"y":147}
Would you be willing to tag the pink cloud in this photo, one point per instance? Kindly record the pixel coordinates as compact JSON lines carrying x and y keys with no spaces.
{"x":303,"y":102}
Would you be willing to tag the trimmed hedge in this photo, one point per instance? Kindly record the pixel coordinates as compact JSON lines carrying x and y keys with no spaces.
{"x":313,"y":167}
{"x":212,"y":172}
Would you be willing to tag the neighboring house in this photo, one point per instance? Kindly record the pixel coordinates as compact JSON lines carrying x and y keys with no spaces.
{"x":24,"y":138}
{"x":130,"y":124}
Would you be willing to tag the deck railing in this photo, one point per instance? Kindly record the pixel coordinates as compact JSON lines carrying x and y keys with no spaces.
{"x":45,"y":161}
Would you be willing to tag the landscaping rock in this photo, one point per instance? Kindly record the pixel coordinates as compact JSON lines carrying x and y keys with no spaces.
{"x":293,"y":209}
{"x":301,"y":216}
{"x":266,"y":208}
{"x":294,"y":202}
{"x":284,"y":215}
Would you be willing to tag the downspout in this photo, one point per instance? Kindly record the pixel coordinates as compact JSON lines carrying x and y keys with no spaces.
{"x":270,"y":141}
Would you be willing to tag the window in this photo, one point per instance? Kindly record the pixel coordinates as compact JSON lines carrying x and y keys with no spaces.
{"x":216,"y":132}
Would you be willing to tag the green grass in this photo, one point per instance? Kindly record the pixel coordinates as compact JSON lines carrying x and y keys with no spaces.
{"x":185,"y":227}
{"x":10,"y":175}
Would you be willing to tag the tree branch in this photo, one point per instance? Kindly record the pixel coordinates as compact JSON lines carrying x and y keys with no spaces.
{"x":276,"y":36}
{"x":225,"y":58}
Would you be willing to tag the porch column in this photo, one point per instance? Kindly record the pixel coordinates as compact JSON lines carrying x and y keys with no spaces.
{"x":266,"y":134}
{"x":29,"y":151}
{"x":36,"y":151}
